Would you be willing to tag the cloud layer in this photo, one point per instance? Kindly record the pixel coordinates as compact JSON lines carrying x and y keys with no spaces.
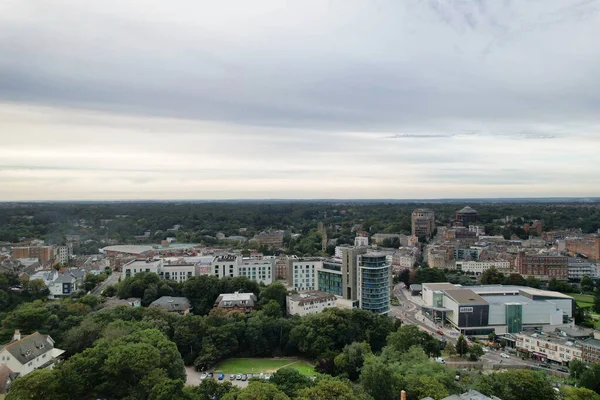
{"x":299,"y":99}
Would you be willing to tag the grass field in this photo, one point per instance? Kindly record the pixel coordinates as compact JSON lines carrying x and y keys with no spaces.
{"x":583,"y":300}
{"x":265,"y":365}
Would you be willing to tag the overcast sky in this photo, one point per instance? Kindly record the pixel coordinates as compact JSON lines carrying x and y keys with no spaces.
{"x":141,"y":99}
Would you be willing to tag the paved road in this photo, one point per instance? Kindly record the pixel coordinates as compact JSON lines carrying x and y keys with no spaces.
{"x":111,"y":280}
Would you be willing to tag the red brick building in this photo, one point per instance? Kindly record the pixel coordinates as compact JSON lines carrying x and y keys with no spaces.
{"x":588,"y":246}
{"x":543,"y":266}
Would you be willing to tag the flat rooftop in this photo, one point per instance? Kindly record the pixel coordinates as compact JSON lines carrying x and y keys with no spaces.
{"x":440,"y":286}
{"x":129,"y":248}
{"x":313,"y":295}
{"x":465,"y":296}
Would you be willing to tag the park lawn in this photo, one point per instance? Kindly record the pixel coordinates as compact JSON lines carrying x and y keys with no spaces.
{"x":264,"y":365}
{"x":583,"y":300}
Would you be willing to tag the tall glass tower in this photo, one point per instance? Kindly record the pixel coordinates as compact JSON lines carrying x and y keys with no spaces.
{"x":374,"y":280}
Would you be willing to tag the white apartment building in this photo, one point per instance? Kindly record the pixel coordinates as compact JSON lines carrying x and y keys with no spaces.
{"x":143,"y":265}
{"x":361,"y":241}
{"x":180,"y":272}
{"x":63,"y":254}
{"x":312,"y":302}
{"x":303,"y":273}
{"x":479,"y":267}
{"x":259,"y":270}
{"x":578,"y":268}
{"x":548,"y":347}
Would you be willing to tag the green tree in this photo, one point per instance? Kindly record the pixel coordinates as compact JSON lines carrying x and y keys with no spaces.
{"x":450,"y":349}
{"x":275,"y":291}
{"x":492,"y":277}
{"x":475,"y":352}
{"x":329,"y":389}
{"x":290,"y":381}
{"x":517,"y":385}
{"x":579,"y":394}
{"x":350,"y":361}
{"x":261,"y":391}
{"x":587,"y":284}
{"x":576,"y":368}
{"x":209,"y":389}
{"x":410,"y":335}
{"x":590,"y":378}
{"x":425,"y":385}
{"x":380,"y":379}
{"x":462,"y":346}
{"x":39,"y":384}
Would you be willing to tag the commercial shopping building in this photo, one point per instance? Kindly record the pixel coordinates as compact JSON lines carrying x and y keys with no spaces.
{"x":480,"y":310}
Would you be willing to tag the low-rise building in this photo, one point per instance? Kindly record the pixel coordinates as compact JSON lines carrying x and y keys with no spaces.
{"x":311,"y":302}
{"x":179,"y":305}
{"x":479,"y":267}
{"x":25,"y":354}
{"x":543,"y":266}
{"x":588,"y":246}
{"x":548,"y":347}
{"x":142,"y":265}
{"x":179,"y":272}
{"x":244,"y":302}
{"x":580,"y":267}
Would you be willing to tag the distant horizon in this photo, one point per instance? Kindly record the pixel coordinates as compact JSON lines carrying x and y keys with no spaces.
{"x":556,"y":199}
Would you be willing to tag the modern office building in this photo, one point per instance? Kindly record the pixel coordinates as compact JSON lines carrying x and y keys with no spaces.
{"x":480,"y":310}
{"x":479,"y":267}
{"x":350,"y":271}
{"x":329,"y":277}
{"x":422,"y":222}
{"x":254,"y":268}
{"x":374,"y":282}
{"x":179,"y":272}
{"x":467,"y":216}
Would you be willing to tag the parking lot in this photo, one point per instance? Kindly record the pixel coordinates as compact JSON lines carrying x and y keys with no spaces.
{"x":194,"y":378}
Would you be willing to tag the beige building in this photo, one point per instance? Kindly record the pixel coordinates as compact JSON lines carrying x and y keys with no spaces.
{"x":423,"y":222}
{"x":548,"y":347}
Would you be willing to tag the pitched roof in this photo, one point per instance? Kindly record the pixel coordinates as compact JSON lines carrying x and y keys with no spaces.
{"x":467,"y":210}
{"x":29,"y":347}
{"x":5,"y":375}
{"x":172,"y":303}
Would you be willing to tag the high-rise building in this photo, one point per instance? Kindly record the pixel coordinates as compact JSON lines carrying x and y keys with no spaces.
{"x":423,"y":222}
{"x":350,"y":271}
{"x":467,"y":216}
{"x":329,"y":277}
{"x":374,"y":282}
{"x":303,"y":273}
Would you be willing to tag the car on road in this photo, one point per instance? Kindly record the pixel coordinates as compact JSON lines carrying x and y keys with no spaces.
{"x":562,"y":369}
{"x":232,"y":377}
{"x":542,"y":365}
{"x":244,"y":378}
{"x":485,"y":350}
{"x":440,"y":360}
{"x":440,"y":332}
{"x":221,"y":377}
{"x":504,"y":355}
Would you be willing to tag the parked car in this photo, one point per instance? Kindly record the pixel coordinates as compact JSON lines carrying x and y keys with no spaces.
{"x":238,"y":377}
{"x":268,"y":376}
{"x":440,"y":360}
{"x":244,"y":378}
{"x":203,"y":376}
{"x":485,"y":350}
{"x":562,"y":369}
{"x":210,"y":375}
{"x":232,"y":377}
{"x":440,"y":332}
{"x":542,"y":365}
{"x":221,"y":377}
{"x":504,"y":355}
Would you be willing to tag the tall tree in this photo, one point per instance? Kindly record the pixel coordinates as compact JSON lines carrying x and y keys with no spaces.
{"x":462,"y":346}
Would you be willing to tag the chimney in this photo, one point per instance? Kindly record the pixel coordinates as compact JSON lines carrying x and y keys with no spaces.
{"x":17,"y":335}
{"x":403,"y":395}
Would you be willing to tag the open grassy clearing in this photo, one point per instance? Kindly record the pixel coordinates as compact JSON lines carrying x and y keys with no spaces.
{"x":264,"y":365}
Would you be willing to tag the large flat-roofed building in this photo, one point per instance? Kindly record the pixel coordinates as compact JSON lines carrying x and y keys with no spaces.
{"x":422,"y":222}
{"x":479,"y":267}
{"x":303,"y":273}
{"x":309,"y":302}
{"x":128,"y":250}
{"x":180,"y":272}
{"x":480,"y":310}
{"x":256,"y":269}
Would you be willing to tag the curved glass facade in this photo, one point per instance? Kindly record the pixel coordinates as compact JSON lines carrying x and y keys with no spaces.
{"x":374,"y":283}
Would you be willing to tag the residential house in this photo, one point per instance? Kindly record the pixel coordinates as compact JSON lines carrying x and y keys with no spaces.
{"x":179,"y":305}
{"x":244,"y":302}
{"x":28,"y":353}
{"x":7,"y":377}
